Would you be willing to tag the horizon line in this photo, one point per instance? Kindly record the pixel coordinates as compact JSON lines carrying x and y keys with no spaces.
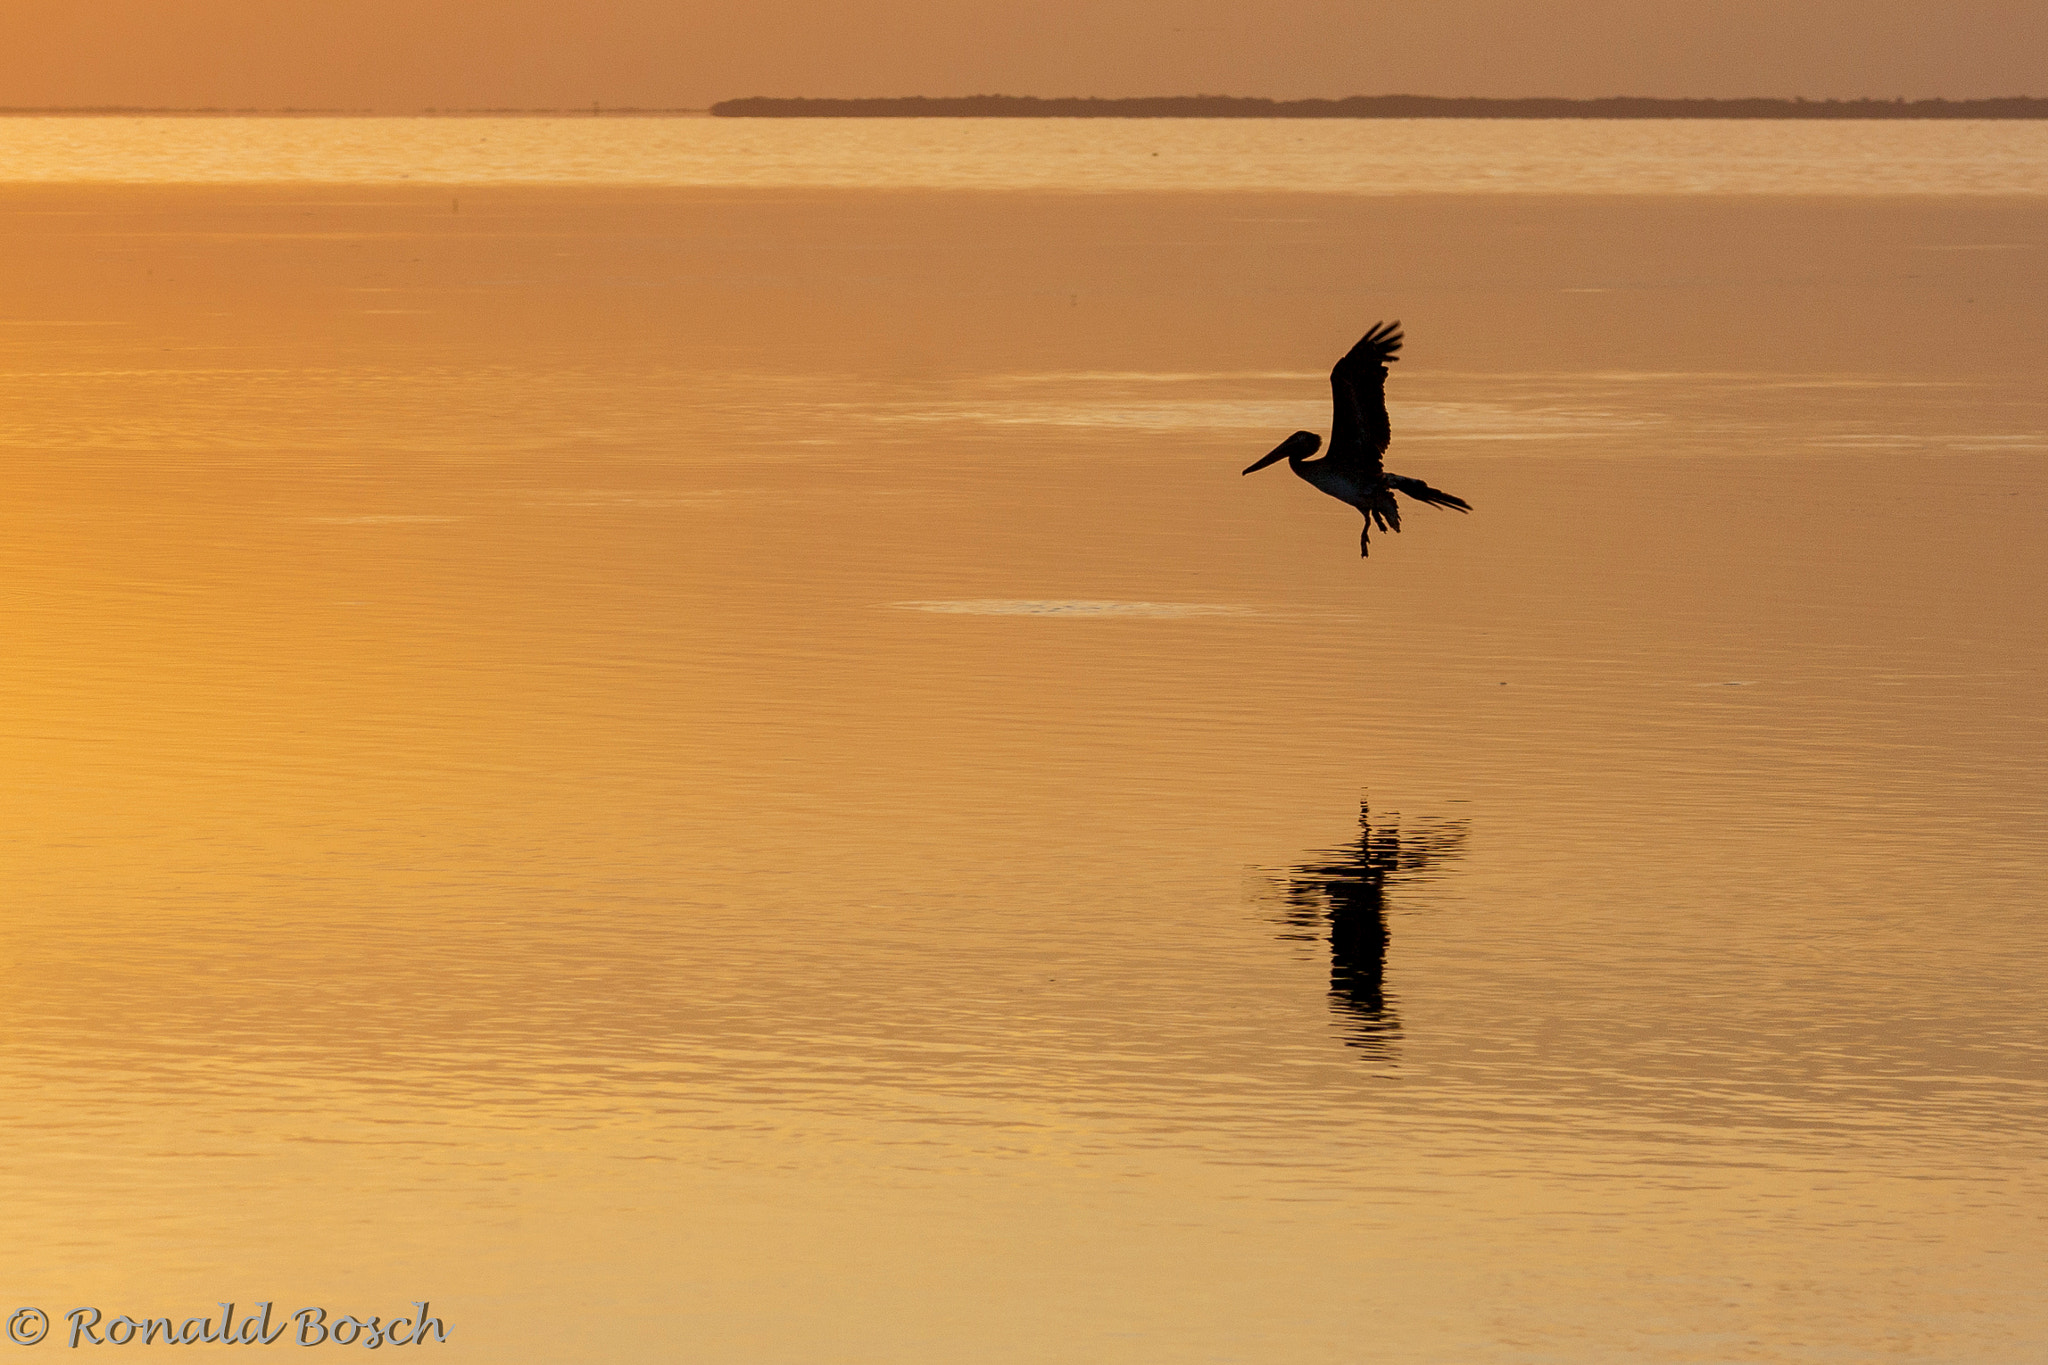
{"x":2025,"y":106}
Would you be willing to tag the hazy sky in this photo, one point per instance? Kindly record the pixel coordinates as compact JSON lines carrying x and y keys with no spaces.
{"x":408,"y":54}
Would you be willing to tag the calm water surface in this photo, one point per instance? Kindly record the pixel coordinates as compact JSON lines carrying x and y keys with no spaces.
{"x":1353,"y":156}
{"x":730,"y":772}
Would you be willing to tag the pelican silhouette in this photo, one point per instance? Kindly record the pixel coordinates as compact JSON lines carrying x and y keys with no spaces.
{"x":1359,"y":433}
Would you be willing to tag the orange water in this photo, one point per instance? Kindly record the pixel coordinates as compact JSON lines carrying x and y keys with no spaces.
{"x":735,"y":775}
{"x":1351,"y":156}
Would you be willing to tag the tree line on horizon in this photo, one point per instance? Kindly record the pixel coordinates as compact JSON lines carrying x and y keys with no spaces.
{"x":1373,"y":106}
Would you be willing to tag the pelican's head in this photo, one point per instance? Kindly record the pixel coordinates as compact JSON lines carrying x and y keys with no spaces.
{"x":1299,"y":446}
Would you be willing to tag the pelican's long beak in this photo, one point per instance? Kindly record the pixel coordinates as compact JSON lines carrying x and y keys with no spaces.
{"x":1302,"y":443}
{"x":1273,"y":456}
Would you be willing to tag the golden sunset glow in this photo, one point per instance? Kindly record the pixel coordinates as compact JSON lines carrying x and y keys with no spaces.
{"x":677,"y":739}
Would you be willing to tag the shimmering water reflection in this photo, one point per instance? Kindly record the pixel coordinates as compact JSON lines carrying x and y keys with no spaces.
{"x":1342,"y":900}
{"x":738,"y":776}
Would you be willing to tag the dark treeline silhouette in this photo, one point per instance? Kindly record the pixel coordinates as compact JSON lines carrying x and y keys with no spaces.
{"x":1343,"y":894}
{"x":1371,"y":106}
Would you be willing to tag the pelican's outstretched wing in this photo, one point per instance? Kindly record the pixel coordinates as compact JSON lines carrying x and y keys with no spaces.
{"x":1358,"y":390}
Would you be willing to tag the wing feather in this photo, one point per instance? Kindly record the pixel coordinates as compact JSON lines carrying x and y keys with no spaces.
{"x":1359,"y":430}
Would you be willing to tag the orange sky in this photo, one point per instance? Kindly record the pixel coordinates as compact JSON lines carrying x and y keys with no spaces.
{"x":409,"y":54}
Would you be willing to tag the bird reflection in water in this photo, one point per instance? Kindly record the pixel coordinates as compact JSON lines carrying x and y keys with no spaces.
{"x":1343,"y":897}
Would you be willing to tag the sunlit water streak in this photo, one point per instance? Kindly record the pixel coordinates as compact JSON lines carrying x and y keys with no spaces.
{"x":314,"y":411}
{"x":1367,"y":156}
{"x":1002,"y":606}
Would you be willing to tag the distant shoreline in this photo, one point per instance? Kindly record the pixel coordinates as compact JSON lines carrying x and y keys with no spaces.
{"x":1379,"y":106}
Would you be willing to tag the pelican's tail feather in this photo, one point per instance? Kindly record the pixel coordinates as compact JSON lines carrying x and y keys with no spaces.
{"x":1422,"y":492}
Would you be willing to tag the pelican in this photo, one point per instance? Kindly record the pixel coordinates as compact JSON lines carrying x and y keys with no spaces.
{"x":1352,"y":472}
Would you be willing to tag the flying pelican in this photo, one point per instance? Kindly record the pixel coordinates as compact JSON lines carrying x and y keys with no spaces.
{"x":1352,"y":472}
